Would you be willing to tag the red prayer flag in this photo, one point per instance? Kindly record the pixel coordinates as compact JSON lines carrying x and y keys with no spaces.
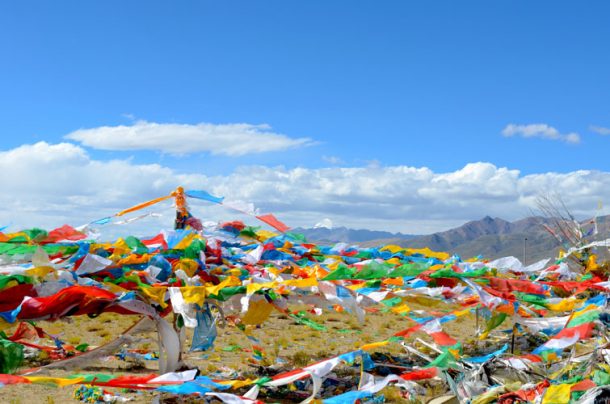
{"x":64,"y":232}
{"x":156,"y":242}
{"x":420,"y":374}
{"x":443,"y":339}
{"x":584,"y":330}
{"x":273,"y":222}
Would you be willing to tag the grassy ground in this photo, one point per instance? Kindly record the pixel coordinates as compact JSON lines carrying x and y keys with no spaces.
{"x":285,"y":343}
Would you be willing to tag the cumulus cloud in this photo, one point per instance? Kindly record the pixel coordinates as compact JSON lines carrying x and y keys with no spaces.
{"x":600,"y":130}
{"x":540,"y":130}
{"x":234,"y":139}
{"x":53,"y":184}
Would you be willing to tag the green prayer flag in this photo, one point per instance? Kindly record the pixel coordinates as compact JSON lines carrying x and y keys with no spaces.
{"x":342,"y":272}
{"x":11,"y":356}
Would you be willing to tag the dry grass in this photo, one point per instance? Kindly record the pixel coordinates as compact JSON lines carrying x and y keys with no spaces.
{"x":281,"y":339}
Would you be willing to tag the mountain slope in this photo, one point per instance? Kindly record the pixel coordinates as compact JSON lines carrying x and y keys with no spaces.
{"x":492,"y":238}
{"x":489,"y":237}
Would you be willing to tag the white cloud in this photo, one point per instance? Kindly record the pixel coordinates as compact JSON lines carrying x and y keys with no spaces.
{"x":50,"y":185}
{"x":333,"y":160}
{"x":600,"y":130}
{"x":540,"y":130}
{"x":407,"y":199}
{"x":234,"y":139}
{"x":55,"y":184}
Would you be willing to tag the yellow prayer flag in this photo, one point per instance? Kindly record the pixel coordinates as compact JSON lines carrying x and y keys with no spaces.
{"x":374,"y":345}
{"x":301,"y":283}
{"x":393,"y":248}
{"x":236,"y":384}
{"x":489,"y":396}
{"x":428,"y":253}
{"x":156,"y":293}
{"x":401,"y":309}
{"x":134,"y":259}
{"x":188,"y":265}
{"x":562,"y":370}
{"x":459,"y":313}
{"x":10,"y":284}
{"x":4,"y":325}
{"x":57,"y":381}
{"x":557,"y":394}
{"x":251,"y":288}
{"x":39,"y":271}
{"x":564,"y":305}
{"x":229,"y":281}
{"x":193,"y":294}
{"x":115,"y":288}
{"x":265,"y":234}
{"x":185,"y":242}
{"x":258,"y":312}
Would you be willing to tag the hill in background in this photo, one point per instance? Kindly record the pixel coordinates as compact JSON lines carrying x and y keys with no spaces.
{"x":346,"y":235}
{"x":489,"y":237}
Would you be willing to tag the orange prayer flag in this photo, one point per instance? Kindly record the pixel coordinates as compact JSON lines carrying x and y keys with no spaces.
{"x":143,"y":205}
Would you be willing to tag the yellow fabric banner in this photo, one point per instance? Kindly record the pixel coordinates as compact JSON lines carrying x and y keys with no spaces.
{"x":258,"y":312}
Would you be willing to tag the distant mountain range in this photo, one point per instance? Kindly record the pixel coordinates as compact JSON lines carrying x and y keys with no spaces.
{"x":490,"y":237}
{"x":345,"y":235}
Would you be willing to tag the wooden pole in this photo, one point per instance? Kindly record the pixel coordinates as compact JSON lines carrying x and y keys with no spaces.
{"x":181,"y":209}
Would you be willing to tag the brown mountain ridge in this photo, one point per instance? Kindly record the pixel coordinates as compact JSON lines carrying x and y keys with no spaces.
{"x":489,"y":237}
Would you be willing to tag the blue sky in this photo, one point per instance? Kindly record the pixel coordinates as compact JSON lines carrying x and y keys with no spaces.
{"x":369,"y":84}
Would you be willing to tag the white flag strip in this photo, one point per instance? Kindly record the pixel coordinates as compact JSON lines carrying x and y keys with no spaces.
{"x":374,"y":384}
{"x":539,"y":324}
{"x":175,"y":377}
{"x":432,"y":292}
{"x":138,"y":306}
{"x":15,"y":269}
{"x":231,"y":398}
{"x":513,"y":264}
{"x":605,"y":285}
{"x":516,"y":363}
{"x":559,"y":343}
{"x":136,"y":218}
{"x":347,"y":300}
{"x":169,"y":345}
{"x":93,"y":263}
{"x":432,"y":326}
{"x":563,"y":270}
{"x":487,"y":299}
{"x":253,"y":256}
{"x":375,"y":296}
{"x":181,"y":307}
{"x":40,"y":258}
{"x":602,"y":243}
{"x":242,"y":206}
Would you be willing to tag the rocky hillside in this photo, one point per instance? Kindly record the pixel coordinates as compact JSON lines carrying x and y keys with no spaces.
{"x":490,"y":237}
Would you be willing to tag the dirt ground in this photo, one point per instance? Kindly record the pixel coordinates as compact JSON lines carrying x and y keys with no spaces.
{"x":285,"y":343}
